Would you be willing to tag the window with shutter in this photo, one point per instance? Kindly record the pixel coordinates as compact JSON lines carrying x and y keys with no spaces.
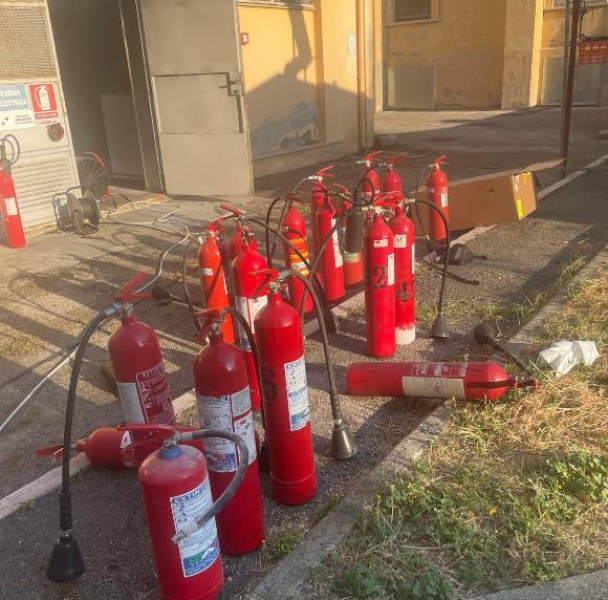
{"x":414,"y":10}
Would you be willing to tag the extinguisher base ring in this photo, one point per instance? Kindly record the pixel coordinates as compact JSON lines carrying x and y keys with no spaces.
{"x":405,"y":335}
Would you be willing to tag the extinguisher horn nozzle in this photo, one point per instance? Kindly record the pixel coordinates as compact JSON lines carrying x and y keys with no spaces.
{"x":343,"y":446}
{"x":440,"y":329}
{"x":66,"y":563}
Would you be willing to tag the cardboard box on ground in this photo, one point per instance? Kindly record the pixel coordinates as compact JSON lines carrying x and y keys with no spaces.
{"x":489,"y":199}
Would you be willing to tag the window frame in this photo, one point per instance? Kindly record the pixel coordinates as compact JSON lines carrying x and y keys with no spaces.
{"x":285,"y":4}
{"x":392,"y":10}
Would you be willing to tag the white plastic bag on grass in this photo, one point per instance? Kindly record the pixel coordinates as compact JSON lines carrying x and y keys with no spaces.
{"x":563,"y":356}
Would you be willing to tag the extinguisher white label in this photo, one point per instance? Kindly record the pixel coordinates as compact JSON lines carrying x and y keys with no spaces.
{"x":400,"y":241}
{"x":129,"y":398}
{"x":413,"y":258}
{"x":390,"y":276}
{"x":435,"y":380}
{"x":201,"y":549}
{"x":339,"y":261}
{"x":444,"y":200}
{"x":207,"y":272}
{"x":231,"y":412}
{"x":297,"y":394}
{"x":381,"y":243}
{"x":11,"y":207}
{"x":249,"y":308}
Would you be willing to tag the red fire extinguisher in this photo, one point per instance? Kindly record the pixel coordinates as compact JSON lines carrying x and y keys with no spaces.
{"x":9,"y":207}
{"x":317,"y":199}
{"x":138,"y":365}
{"x":125,"y":446}
{"x":379,"y":259}
{"x":181,"y":514}
{"x":213,"y":277}
{"x":294,"y":230}
{"x":437,"y":190}
{"x":224,"y":402}
{"x":471,"y":381}
{"x":370,"y":183}
{"x":329,"y":256}
{"x":405,"y":264}
{"x":249,"y":261}
{"x":391,"y":183}
{"x":286,"y":412}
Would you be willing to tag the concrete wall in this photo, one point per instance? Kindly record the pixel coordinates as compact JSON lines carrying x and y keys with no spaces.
{"x":465,"y":46}
{"x":300,"y":70}
{"x":523,"y":38}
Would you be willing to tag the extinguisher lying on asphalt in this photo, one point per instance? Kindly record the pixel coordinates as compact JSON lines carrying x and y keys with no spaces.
{"x":121,"y":447}
{"x":286,"y":412}
{"x":460,"y":380}
{"x":181,"y":514}
{"x":224,"y":402}
{"x":9,"y":207}
{"x":213,"y":276}
{"x":138,"y":365}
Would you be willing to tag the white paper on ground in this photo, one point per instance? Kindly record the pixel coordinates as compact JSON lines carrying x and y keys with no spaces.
{"x":563,"y":356}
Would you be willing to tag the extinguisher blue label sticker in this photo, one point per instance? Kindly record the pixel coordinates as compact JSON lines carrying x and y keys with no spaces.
{"x":231,"y":412}
{"x":297,"y":394}
{"x":201,"y":549}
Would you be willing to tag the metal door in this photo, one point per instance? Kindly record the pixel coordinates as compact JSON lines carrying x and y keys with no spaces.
{"x":196,"y":78}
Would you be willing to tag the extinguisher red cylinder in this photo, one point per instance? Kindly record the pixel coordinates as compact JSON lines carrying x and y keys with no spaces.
{"x":380,"y":289}
{"x":175,"y":488}
{"x":245,"y":287}
{"x":294,"y":230}
{"x":213,"y":277}
{"x":286,"y":410}
{"x":405,"y":261}
{"x":428,"y":380}
{"x":371,"y":182}
{"x":140,"y":372}
{"x":437,"y":190}
{"x":9,"y":210}
{"x":331,"y":262}
{"x":353,"y":268}
{"x":121,"y":447}
{"x":224,"y":402}
{"x":391,"y":183}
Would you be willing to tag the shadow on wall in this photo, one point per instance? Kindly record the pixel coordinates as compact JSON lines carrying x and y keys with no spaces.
{"x":300,"y":127}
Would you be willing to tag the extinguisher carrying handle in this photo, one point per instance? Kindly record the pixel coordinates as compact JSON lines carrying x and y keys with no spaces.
{"x":393,"y":160}
{"x":270,"y":275}
{"x":440,"y":160}
{"x":324,"y":172}
{"x":211,"y":316}
{"x":128,"y":293}
{"x":193,"y":526}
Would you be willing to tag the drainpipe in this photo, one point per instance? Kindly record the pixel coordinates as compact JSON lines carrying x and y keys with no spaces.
{"x":361,"y":76}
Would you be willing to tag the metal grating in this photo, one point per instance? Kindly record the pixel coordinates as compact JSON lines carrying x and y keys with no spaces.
{"x":37,"y":180}
{"x":25,"y":45}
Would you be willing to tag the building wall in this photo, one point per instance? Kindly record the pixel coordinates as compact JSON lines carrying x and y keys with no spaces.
{"x":300,"y":71}
{"x":465,"y":46}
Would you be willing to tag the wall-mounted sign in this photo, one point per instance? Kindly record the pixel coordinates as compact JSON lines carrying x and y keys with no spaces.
{"x":15,"y":109}
{"x":44,"y":103}
{"x":593,"y":53}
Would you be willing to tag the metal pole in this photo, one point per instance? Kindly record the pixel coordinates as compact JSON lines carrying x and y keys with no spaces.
{"x":576,"y":16}
{"x":567,"y":12}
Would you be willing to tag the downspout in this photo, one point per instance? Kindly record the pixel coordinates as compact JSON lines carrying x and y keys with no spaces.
{"x":361,"y":76}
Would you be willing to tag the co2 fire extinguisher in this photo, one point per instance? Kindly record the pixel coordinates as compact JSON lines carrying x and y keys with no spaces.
{"x":470,"y":381}
{"x":121,"y":447}
{"x":437,"y":190}
{"x":213,"y":276}
{"x":294,"y":230}
{"x":181,"y":514}
{"x":329,"y":256}
{"x":278,"y":332}
{"x":248,"y":304}
{"x":224,"y":402}
{"x":138,"y":364}
{"x":405,"y":264}
{"x":9,"y":207}
{"x":379,"y":260}
{"x":370,"y":182}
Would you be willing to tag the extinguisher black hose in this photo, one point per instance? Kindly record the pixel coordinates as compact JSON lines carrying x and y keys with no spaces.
{"x":187,"y":250}
{"x":451,"y":275}
{"x":270,"y":252}
{"x":233,"y":486}
{"x":65,"y":498}
{"x":327,"y":314}
{"x":334,"y":398}
{"x":6,"y":161}
{"x":448,"y":234}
